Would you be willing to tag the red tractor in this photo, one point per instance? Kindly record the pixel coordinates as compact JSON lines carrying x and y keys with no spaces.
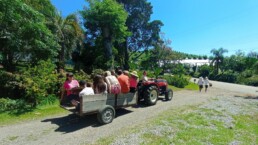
{"x":149,"y":91}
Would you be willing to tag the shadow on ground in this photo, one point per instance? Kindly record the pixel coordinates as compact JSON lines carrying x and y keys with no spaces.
{"x":73,"y":122}
{"x":247,"y":96}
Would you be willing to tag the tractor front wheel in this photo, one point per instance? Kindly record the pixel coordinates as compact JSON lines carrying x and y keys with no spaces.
{"x":169,"y":95}
{"x":151,"y":95}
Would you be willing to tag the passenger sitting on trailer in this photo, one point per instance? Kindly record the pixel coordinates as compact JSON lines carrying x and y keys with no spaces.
{"x":69,"y":87}
{"x":88,"y":90}
{"x":133,"y":82}
{"x":75,"y":95}
{"x":124,"y":82}
{"x":99,"y":85}
{"x":112,"y":83}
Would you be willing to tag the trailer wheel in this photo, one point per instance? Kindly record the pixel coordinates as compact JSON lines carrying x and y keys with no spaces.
{"x":106,"y":114}
{"x":169,"y":95}
{"x":151,"y":95}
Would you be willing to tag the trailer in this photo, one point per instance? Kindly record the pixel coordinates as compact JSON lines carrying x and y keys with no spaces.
{"x":104,"y":105}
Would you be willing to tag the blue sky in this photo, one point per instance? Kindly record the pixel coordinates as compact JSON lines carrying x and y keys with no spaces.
{"x":197,"y":26}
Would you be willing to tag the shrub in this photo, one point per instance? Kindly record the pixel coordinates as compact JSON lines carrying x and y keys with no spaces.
{"x":81,"y":75}
{"x":204,"y":70}
{"x":97,"y":72}
{"x":7,"y":104}
{"x":247,"y":73}
{"x":40,"y":82}
{"x":227,"y":77}
{"x":252,"y":81}
{"x":177,"y":81}
{"x":10,"y":85}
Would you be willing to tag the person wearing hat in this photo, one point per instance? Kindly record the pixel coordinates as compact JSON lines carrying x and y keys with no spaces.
{"x":133,"y":81}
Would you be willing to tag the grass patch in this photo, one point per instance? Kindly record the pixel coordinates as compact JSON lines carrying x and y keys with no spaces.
{"x":12,"y":138}
{"x":195,"y":126}
{"x":15,"y":116}
{"x":190,"y":86}
{"x":190,"y":127}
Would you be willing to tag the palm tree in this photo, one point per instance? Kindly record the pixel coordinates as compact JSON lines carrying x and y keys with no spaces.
{"x":68,"y":32}
{"x":218,"y":57}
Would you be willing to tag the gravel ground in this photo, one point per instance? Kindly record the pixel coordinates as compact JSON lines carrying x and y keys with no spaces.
{"x":71,"y":129}
{"x":227,"y":104}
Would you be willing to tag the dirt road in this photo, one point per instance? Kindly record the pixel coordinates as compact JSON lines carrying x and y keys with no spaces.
{"x":70,"y":129}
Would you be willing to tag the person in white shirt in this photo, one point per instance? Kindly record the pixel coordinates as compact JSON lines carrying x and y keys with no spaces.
{"x":200,"y":83}
{"x":206,"y":83}
{"x":144,"y":77}
{"x":87,"y":90}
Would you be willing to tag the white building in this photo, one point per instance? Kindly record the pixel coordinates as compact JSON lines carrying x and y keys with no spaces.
{"x":195,"y":62}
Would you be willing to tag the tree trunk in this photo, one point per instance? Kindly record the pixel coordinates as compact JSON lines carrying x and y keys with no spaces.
{"x":108,"y":46}
{"x":61,"y":62}
{"x":126,"y":62}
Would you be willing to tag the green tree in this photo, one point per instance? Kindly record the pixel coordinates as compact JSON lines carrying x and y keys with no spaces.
{"x":67,"y":30}
{"x":205,"y":70}
{"x":23,"y":34}
{"x":105,"y":19}
{"x":218,"y":57}
{"x":68,"y":33}
{"x":45,"y":7}
{"x":145,"y":33}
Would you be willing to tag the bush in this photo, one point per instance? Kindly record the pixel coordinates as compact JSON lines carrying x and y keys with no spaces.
{"x":10,"y":85}
{"x":204,"y":70}
{"x":82,"y":76}
{"x":227,"y":77}
{"x":252,"y":81}
{"x":177,"y":81}
{"x":97,"y":72}
{"x":40,"y":82}
{"x":247,"y":73}
{"x":7,"y":104}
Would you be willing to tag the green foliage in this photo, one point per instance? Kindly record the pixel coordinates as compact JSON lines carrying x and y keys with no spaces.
{"x":40,"y":82}
{"x":7,"y":104}
{"x":145,"y":33}
{"x":10,"y":85}
{"x":204,"y":70}
{"x":178,"y":69}
{"x":218,"y":57}
{"x":252,"y":81}
{"x":157,"y":72}
{"x":255,"y":67}
{"x":97,"y":72}
{"x":177,"y":81}
{"x":81,"y":75}
{"x":227,"y":76}
{"x":105,"y":22}
{"x":24,"y":34}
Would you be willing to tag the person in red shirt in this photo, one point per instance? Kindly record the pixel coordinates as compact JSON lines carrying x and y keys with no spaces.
{"x":124,"y":82}
{"x":133,"y":81}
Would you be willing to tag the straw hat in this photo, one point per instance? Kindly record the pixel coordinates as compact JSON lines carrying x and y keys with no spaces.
{"x":134,"y":73}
